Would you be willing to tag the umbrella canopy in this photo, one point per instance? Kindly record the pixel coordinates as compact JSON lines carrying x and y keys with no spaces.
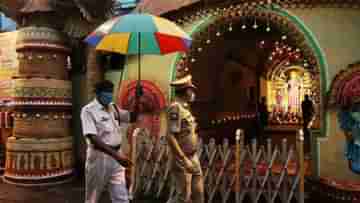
{"x":156,"y":35}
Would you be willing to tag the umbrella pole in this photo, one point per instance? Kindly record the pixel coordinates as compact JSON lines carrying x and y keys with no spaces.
{"x":139,"y":56}
{"x":139,"y":90}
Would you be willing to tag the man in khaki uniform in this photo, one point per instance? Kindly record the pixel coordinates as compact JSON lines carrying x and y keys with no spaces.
{"x":183,"y":142}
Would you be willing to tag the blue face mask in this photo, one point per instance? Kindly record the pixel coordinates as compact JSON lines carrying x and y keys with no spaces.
{"x":105,"y":97}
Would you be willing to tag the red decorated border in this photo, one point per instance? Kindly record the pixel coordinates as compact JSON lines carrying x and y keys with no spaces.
{"x":345,"y":88}
{"x":153,"y":100}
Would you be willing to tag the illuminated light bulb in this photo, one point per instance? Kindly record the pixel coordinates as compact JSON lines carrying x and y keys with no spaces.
{"x":193,"y":60}
{"x":243,"y":27}
{"x":255,"y":26}
{"x":199,"y":49}
{"x":284,"y":37}
{"x":270,"y":58}
{"x":208,"y":41}
{"x":218,"y":34}
{"x":268,"y":29}
{"x":230,"y":28}
{"x":297,"y":50}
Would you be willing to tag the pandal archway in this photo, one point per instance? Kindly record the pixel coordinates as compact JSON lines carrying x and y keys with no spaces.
{"x":236,"y":56}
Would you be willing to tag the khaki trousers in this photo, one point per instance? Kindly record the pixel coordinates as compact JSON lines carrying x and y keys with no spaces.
{"x":189,"y":186}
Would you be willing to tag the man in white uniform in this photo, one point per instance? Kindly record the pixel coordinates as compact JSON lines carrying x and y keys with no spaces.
{"x":104,"y":125}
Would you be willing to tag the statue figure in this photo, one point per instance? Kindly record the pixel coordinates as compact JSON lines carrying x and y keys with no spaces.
{"x":294,"y":88}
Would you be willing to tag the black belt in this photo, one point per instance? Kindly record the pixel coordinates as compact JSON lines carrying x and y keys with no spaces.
{"x":116,"y":147}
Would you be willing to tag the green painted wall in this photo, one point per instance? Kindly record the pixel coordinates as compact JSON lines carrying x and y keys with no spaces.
{"x":338,"y":34}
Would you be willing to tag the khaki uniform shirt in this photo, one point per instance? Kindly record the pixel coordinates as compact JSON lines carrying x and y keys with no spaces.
{"x":182,"y":125}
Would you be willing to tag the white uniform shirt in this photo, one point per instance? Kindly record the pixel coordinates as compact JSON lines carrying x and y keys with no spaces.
{"x":97,"y":121}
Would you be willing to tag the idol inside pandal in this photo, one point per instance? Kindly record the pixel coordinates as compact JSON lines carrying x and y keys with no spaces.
{"x":287,"y":93}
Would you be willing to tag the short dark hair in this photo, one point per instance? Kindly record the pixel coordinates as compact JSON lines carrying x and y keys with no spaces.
{"x":104,"y":86}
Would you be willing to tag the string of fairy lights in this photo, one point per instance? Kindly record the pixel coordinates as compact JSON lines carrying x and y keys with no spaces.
{"x":231,"y":118}
{"x":256,"y":15}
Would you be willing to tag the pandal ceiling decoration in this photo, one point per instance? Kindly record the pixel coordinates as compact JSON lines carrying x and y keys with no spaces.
{"x":291,"y":48}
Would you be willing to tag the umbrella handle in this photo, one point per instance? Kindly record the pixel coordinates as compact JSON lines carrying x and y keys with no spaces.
{"x":138,"y":93}
{"x":139,"y":90}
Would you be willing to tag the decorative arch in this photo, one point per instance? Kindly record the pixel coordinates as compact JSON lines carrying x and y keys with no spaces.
{"x":298,"y":34}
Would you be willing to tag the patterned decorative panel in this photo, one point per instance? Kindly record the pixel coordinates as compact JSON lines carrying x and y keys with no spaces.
{"x":47,"y":125}
{"x":39,"y":91}
{"x":38,"y":161}
{"x":41,"y":38}
{"x":49,"y":64}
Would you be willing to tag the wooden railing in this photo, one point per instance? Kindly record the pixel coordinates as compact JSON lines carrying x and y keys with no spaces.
{"x":231,"y":173}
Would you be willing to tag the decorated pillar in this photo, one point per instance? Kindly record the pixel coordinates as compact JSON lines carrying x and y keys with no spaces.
{"x":41,"y":148}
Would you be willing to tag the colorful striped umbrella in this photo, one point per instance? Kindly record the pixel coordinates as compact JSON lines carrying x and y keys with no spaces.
{"x":139,"y":34}
{"x":156,"y":35}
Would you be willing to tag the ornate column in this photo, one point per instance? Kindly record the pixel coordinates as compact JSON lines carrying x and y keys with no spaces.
{"x":41,"y":148}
